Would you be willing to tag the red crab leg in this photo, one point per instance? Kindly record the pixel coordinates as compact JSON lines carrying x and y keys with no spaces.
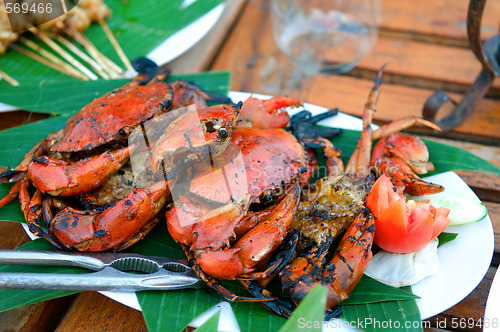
{"x":20,"y":189}
{"x":401,"y":124}
{"x":13,"y":193}
{"x":18,"y":174}
{"x":333,"y":161}
{"x":60,"y":178}
{"x":255,"y":245}
{"x":93,"y":231}
{"x":360,"y":159}
{"x":344,"y":270}
{"x":266,"y":113}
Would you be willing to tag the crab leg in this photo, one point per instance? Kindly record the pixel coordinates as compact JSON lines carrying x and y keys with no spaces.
{"x":61,"y":178}
{"x":333,"y":161}
{"x":344,"y":270}
{"x":401,"y":124}
{"x":360,"y":159}
{"x":228,"y":295}
{"x":99,"y":231}
{"x":255,"y":245}
{"x":18,"y":175}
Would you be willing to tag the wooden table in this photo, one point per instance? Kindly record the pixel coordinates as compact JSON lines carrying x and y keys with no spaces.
{"x":425,"y":47}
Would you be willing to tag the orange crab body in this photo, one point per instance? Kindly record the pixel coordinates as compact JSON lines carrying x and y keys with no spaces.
{"x":113,"y":116}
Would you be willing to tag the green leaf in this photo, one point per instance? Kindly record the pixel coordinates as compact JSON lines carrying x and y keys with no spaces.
{"x":70,"y":96}
{"x":173,"y":310}
{"x":446,"y":237}
{"x":369,"y":290}
{"x":211,"y":324}
{"x":139,"y":26}
{"x":310,"y":313}
{"x":66,"y":98}
{"x":382,"y":316}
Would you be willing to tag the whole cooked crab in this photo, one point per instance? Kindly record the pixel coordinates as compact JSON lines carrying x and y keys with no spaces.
{"x":82,"y":160}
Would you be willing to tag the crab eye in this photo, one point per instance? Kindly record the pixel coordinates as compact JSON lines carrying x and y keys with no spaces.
{"x":223,"y":134}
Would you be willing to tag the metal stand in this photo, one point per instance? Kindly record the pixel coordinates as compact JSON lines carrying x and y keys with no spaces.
{"x":489,"y":56}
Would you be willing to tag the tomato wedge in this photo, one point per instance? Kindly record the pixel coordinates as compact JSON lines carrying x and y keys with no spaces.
{"x":403,"y":227}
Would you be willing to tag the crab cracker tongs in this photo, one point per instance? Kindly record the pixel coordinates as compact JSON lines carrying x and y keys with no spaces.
{"x":112,"y":272}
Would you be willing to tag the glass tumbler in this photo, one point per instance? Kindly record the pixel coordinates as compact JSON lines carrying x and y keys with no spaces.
{"x":327,"y":36}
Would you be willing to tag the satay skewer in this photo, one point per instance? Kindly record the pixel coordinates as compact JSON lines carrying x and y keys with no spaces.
{"x":48,"y":63}
{"x":9,"y":79}
{"x":49,"y":56}
{"x":111,"y":68}
{"x":96,"y":66}
{"x":116,"y":46}
{"x":58,"y":49}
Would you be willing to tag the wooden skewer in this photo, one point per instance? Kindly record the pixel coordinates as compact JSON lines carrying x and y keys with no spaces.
{"x":46,"y":62}
{"x":116,"y":46}
{"x":107,"y":60}
{"x":96,"y":66}
{"x":49,"y":56}
{"x":8,"y":78}
{"x":64,"y":54}
{"x":97,"y":56}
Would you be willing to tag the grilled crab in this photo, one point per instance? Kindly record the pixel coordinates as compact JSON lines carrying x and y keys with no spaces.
{"x":236,"y":211}
{"x":91,"y":148}
{"x":335,"y":206}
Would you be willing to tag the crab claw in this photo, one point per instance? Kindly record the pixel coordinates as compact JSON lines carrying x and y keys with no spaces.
{"x":267,"y":113}
{"x":255,"y":245}
{"x":94,"y":231}
{"x":62,"y":178}
{"x":403,"y":178}
{"x":411,"y":149}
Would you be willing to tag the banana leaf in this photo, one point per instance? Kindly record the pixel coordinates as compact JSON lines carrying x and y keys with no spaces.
{"x":72,"y":96}
{"x":138,"y":25}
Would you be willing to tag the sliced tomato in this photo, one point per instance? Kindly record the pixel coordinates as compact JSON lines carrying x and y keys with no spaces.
{"x":401,"y":226}
{"x":382,"y":195}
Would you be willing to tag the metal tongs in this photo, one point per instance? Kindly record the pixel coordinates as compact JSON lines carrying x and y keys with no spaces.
{"x":113,"y":272}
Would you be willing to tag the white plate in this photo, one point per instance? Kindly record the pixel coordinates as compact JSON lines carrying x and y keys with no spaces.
{"x":186,"y":38}
{"x":491,"y":320}
{"x":175,"y":45}
{"x":463,"y":261}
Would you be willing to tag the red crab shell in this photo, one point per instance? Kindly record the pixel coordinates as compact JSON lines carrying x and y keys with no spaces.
{"x":107,"y":118}
{"x":272,"y":158}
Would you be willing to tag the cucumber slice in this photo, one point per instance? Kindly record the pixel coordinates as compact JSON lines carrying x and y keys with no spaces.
{"x":462,"y":210}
